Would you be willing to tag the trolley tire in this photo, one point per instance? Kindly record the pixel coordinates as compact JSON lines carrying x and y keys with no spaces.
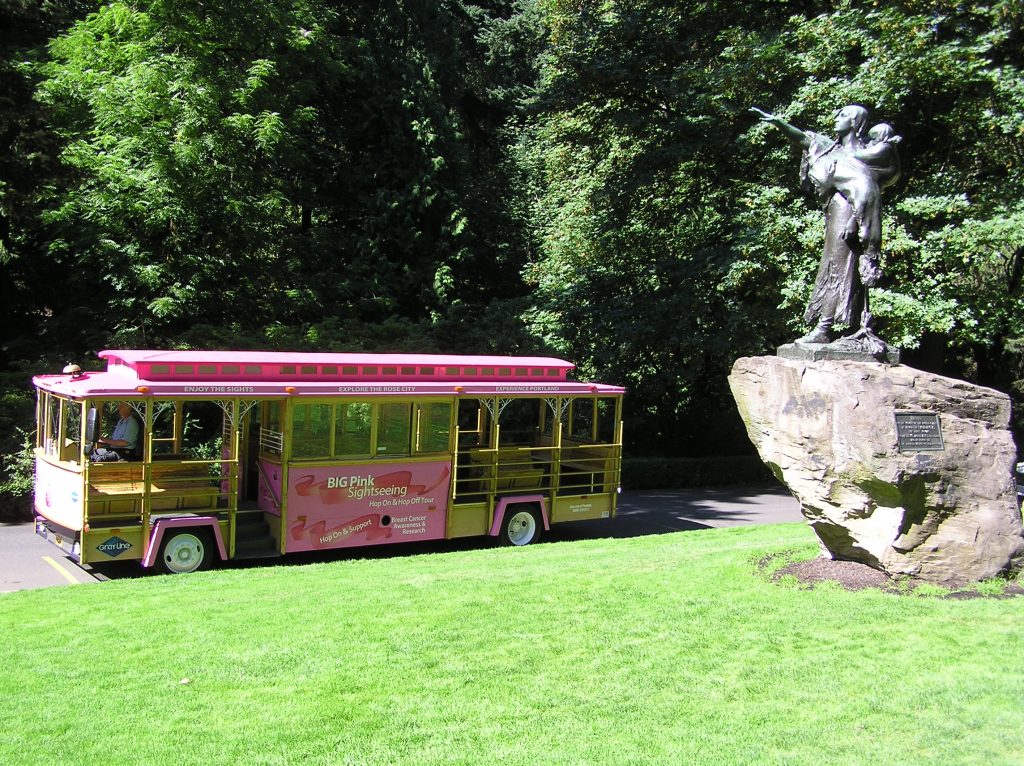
{"x":521,"y":526}
{"x":184,"y":551}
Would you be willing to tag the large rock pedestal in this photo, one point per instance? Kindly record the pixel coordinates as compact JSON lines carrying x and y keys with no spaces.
{"x":828,"y":430}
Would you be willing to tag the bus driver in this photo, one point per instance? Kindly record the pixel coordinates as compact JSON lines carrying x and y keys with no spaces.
{"x":124,"y":440}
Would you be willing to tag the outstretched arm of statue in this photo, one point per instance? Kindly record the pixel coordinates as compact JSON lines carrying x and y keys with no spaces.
{"x":791,"y":132}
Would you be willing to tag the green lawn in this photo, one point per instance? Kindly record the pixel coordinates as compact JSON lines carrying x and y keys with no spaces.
{"x":657,"y":650}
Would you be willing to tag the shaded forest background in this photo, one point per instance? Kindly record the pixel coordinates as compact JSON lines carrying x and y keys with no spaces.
{"x":577,"y":178}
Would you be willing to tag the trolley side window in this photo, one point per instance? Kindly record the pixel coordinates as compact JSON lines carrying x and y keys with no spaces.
{"x":582,"y":420}
{"x":366,"y":429}
{"x":607,"y":419}
{"x":593,"y":420}
{"x":394,"y":428}
{"x":192,"y":430}
{"x":59,"y":431}
{"x":271,"y":431}
{"x":49,"y":432}
{"x":311,"y":430}
{"x":167,"y":428}
{"x":474,"y":424}
{"x":434,"y":427}
{"x":520,"y":422}
{"x":352,"y":429}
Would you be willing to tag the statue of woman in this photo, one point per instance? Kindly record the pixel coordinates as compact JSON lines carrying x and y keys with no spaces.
{"x":848,"y":175}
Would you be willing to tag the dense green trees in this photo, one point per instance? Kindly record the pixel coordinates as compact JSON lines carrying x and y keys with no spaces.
{"x":641,"y":109}
{"x":29,"y":162}
{"x":948,"y":75}
{"x":673,"y":233}
{"x":520,"y":175}
{"x":276,"y":165}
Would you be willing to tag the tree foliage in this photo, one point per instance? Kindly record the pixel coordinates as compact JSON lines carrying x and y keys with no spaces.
{"x":673,"y":234}
{"x":277,"y":163}
{"x":639,"y":118}
{"x":581,"y":178}
{"x":28,"y":163}
{"x":948,"y":75}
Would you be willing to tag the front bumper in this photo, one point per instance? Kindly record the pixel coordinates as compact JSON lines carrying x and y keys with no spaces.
{"x":67,"y":540}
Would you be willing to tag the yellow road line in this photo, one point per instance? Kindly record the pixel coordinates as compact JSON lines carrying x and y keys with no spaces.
{"x":70,"y":578}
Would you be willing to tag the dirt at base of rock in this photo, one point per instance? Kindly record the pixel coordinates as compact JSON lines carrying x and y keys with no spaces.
{"x":849,"y":574}
{"x":855,"y":576}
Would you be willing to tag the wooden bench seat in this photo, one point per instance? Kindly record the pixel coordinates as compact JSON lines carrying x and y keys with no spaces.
{"x":117,"y":488}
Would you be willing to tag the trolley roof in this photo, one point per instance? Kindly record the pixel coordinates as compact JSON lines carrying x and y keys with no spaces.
{"x":133,"y":373}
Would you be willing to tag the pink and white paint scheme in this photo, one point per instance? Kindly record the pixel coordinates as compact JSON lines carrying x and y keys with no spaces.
{"x":343,"y":506}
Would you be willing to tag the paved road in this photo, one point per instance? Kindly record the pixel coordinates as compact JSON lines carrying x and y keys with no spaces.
{"x":657,"y":512}
{"x":28,"y":561}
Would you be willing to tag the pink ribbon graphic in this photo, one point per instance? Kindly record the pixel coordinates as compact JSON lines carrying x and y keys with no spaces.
{"x":322,"y":537}
{"x":308,"y":486}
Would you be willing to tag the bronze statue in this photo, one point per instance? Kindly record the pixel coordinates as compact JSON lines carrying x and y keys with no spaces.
{"x":847,"y":174}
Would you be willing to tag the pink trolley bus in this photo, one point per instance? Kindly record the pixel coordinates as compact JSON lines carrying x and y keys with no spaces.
{"x":258,"y":454}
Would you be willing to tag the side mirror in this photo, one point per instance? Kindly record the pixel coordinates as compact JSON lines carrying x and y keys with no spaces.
{"x":92,"y":432}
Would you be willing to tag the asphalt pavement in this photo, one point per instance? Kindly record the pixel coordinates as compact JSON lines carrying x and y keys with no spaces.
{"x":28,"y":561}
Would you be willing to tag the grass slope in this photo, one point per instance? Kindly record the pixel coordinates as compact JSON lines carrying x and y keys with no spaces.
{"x":666,"y":650}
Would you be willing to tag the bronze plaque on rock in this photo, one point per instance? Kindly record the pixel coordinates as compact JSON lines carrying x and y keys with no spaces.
{"x":919,"y":432}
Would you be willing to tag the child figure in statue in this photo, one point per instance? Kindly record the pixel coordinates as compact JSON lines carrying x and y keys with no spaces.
{"x":847,"y":173}
{"x":860,"y":176}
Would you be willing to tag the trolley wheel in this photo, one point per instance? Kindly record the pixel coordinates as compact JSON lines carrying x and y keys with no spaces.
{"x":185,"y":551}
{"x":521,"y":525}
